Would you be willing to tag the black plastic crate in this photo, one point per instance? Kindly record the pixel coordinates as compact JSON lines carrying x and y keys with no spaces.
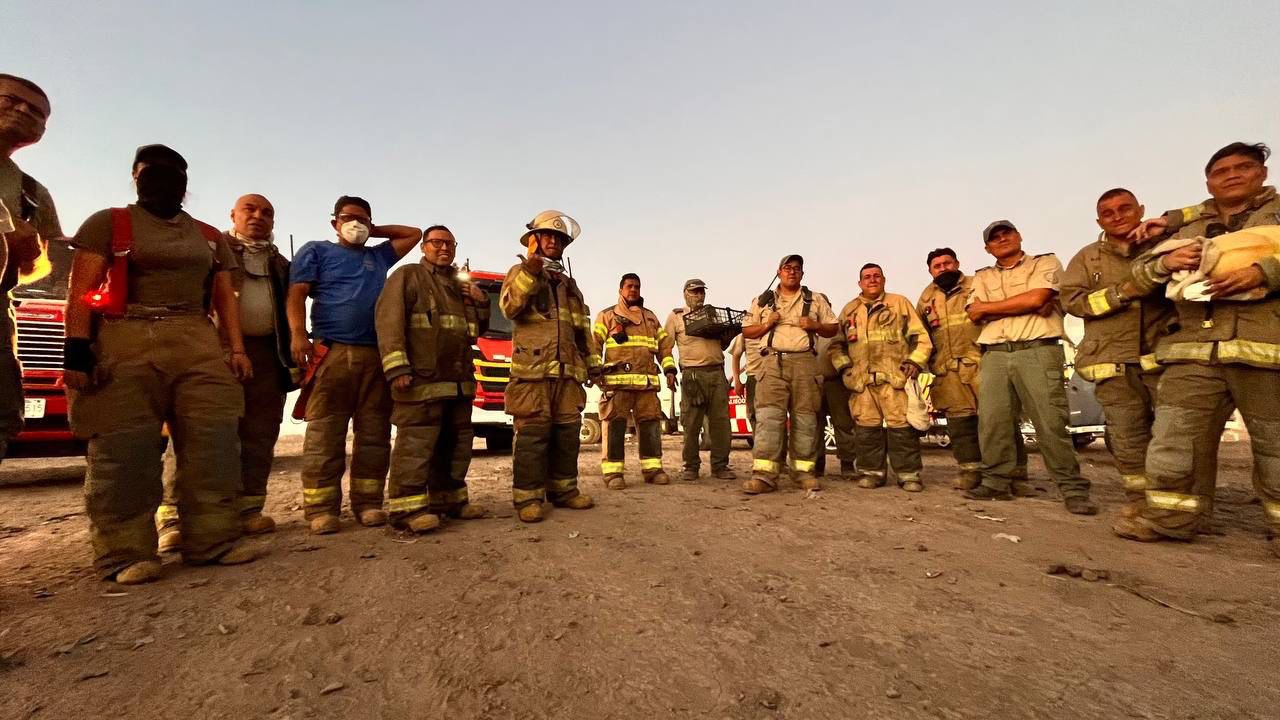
{"x":713,"y":322}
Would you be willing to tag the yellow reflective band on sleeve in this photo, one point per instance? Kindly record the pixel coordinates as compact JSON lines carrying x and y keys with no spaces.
{"x":662,"y":334}
{"x":803,"y":465}
{"x":1134,"y":483}
{"x":668,"y":363}
{"x":1165,"y":500}
{"x":1249,"y":352}
{"x":600,"y":330}
{"x":252,"y":502}
{"x":319,"y":496}
{"x":1190,"y":214}
{"x":165,"y":513}
{"x":367,"y":486}
{"x":919,"y":356}
{"x":594,"y":360}
{"x":1272,"y":509}
{"x":453,"y":322}
{"x":647,"y":464}
{"x":1148,"y":362}
{"x":612,"y":468}
{"x":954,"y":319}
{"x":523,"y":281}
{"x":406,"y":504}
{"x":473,"y":329}
{"x":840,"y":361}
{"x":419,"y":321}
{"x":523,"y":496}
{"x":394,"y":360}
{"x":765,"y":466}
{"x":1098,"y":302}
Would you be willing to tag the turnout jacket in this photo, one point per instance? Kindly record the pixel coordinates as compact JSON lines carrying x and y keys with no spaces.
{"x":551,"y":335}
{"x":632,"y":362}
{"x":426,"y":329}
{"x":875,"y":337}
{"x":953,"y":335}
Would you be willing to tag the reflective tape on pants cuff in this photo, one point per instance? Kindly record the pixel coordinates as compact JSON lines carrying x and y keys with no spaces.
{"x":804,"y":465}
{"x":613,"y":468}
{"x":766,"y":466}
{"x":406,"y":504}
{"x":319,"y":496}
{"x":1134,"y":483}
{"x":1178,"y":502}
{"x":650,"y":463}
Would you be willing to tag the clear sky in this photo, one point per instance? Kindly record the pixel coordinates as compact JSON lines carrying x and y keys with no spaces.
{"x":690,"y":139}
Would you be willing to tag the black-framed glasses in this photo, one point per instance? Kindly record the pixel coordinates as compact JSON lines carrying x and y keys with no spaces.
{"x":345,"y":218}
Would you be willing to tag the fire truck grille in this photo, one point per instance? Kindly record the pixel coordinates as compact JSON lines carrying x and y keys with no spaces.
{"x":40,"y":344}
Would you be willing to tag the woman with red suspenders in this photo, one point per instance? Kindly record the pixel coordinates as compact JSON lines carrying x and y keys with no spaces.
{"x":140,"y":352}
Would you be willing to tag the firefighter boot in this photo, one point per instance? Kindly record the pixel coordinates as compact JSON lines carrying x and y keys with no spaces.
{"x":240,"y":554}
{"x":757,"y":486}
{"x":531,"y":513}
{"x":373,"y":517}
{"x":615,"y":482}
{"x":422,"y":523}
{"x":469,"y":511}
{"x":257,"y":524}
{"x":138,"y":573}
{"x":1136,"y":530}
{"x":809,"y":482}
{"x":869,"y":443}
{"x":325,"y":524}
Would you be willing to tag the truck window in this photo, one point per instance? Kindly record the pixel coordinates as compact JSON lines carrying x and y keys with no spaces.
{"x":499,"y":325}
{"x":54,"y":285}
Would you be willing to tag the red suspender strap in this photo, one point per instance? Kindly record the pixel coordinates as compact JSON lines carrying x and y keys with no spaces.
{"x":121,"y":231}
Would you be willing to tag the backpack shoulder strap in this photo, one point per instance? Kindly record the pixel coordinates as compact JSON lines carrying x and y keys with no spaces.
{"x":28,"y":203}
{"x":121,"y":231}
{"x":807,"y":296}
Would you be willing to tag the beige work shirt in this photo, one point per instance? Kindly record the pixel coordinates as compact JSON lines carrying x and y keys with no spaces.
{"x":995,"y":283}
{"x":787,"y":335}
{"x":693,"y":350}
{"x":749,"y":350}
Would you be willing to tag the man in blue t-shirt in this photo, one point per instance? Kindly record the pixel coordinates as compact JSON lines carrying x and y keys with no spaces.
{"x":343,"y":280}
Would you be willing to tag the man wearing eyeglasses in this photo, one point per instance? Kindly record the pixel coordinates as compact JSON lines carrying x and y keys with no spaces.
{"x":427,"y":320}
{"x":24,"y":110}
{"x":1015,"y":300}
{"x":344,"y":375}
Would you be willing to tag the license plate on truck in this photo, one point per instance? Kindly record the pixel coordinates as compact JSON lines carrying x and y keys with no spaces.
{"x":33,"y":408}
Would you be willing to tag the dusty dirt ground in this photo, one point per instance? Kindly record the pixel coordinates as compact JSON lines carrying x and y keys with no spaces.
{"x":683,"y":601}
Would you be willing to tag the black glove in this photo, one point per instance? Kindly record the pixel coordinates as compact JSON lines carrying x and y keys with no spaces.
{"x":77,"y":355}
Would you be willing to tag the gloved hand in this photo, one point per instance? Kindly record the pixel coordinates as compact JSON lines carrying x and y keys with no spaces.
{"x":594,"y":376}
{"x":672,"y":383}
{"x":910,"y":369}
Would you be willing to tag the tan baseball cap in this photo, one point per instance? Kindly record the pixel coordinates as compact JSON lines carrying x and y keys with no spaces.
{"x":788,"y":258}
{"x":694,"y":284}
{"x":986,"y":234}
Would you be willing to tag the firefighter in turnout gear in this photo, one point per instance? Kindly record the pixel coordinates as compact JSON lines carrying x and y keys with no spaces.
{"x":553,"y":354}
{"x":955,"y":366}
{"x":790,"y":381}
{"x":142,"y":351}
{"x":427,"y":321}
{"x":1117,"y":353}
{"x":635,"y":346}
{"x":1225,"y":352}
{"x":882,"y":346}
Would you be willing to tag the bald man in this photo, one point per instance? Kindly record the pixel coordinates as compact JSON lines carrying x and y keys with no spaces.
{"x":261,"y":281}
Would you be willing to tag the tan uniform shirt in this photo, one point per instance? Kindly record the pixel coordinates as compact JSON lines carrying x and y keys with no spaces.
{"x":995,"y":283}
{"x":693,"y":351}
{"x":749,"y":351}
{"x":787,"y":336}
{"x":171,"y":265}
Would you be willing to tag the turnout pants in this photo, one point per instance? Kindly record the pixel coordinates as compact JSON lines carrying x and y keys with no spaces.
{"x":704,"y":394}
{"x":547,"y":415}
{"x":615,"y":407}
{"x":835,"y":405}
{"x":1026,"y":378}
{"x":430,"y":459}
{"x":880,"y":429}
{"x":1129,"y":402}
{"x":789,"y":385}
{"x":264,"y":398}
{"x":1195,"y":403}
{"x":349,"y":388}
{"x":157,"y":371}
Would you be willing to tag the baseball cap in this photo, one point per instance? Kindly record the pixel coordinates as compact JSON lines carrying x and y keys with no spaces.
{"x":986,"y":234}
{"x":159,"y":154}
{"x":694,"y":284}
{"x":788,"y":258}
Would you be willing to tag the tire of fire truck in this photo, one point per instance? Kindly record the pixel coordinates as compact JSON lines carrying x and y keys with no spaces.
{"x":499,"y":442}
{"x":590,"y":433}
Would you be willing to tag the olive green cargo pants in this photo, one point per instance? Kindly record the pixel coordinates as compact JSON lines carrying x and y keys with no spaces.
{"x":1028,"y":378}
{"x":704,"y":394}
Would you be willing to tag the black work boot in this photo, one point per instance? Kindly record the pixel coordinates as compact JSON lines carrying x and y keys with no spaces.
{"x":983,"y":492}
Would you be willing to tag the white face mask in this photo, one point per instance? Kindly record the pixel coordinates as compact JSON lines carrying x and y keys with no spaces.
{"x":354,"y":232}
